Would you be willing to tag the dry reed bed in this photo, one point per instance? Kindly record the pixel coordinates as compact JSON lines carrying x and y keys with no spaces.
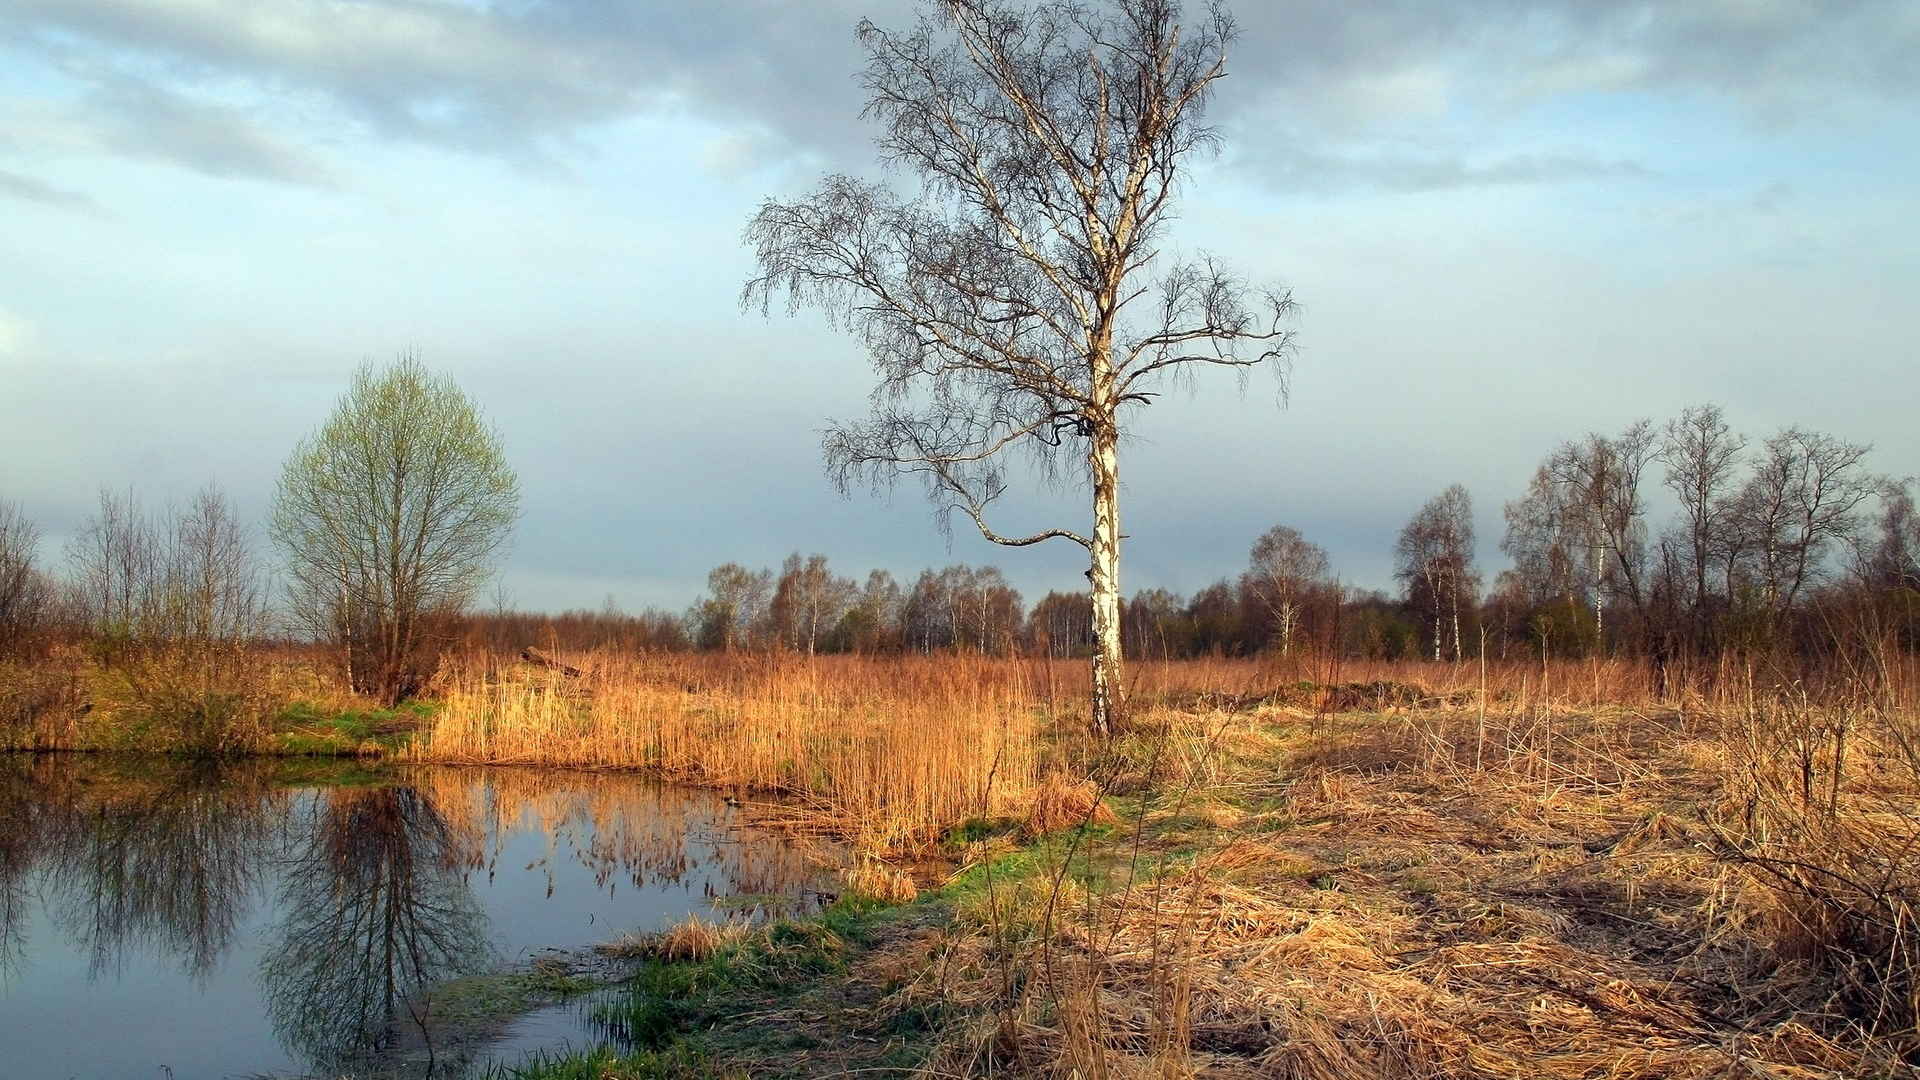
{"x":886,"y":754}
{"x":1624,"y":895}
{"x":891,"y":750}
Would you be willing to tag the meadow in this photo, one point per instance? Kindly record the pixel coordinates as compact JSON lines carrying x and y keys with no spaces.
{"x":1304,"y":868}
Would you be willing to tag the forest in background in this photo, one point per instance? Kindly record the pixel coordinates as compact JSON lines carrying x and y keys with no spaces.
{"x":1787,"y":545}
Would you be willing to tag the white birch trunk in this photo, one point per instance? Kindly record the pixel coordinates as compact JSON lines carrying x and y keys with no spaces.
{"x":1103,"y":459}
{"x":1456,"y":623}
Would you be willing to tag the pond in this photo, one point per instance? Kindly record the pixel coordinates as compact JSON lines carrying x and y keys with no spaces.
{"x":295,"y":918}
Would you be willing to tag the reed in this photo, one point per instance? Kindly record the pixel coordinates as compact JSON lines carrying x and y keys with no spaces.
{"x":885,"y":753}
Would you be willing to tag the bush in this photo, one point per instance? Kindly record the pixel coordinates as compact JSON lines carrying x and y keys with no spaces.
{"x":39,"y":705}
{"x":203,"y":699}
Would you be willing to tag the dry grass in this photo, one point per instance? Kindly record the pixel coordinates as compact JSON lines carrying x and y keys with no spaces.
{"x":887,"y":753}
{"x":40,"y":705}
{"x":873,"y":879}
{"x":692,"y":940}
{"x":1615,"y":894}
{"x":1327,"y":871}
{"x":210,"y":699}
{"x":1060,"y":801}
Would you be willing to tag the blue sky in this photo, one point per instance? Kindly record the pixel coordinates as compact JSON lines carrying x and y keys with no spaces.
{"x":1507,"y":224}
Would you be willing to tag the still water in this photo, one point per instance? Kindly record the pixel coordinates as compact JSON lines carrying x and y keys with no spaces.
{"x":162,"y":918}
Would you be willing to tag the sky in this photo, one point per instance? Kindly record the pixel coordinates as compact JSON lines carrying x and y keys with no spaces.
{"x":1506,"y":225}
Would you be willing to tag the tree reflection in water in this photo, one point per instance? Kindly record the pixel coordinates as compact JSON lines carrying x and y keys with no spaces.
{"x":375,"y":892}
{"x":167,"y":855}
{"x":376,"y":911}
{"x":20,"y":818}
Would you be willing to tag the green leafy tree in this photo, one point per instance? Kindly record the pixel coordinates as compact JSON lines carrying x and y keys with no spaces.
{"x":390,"y":518}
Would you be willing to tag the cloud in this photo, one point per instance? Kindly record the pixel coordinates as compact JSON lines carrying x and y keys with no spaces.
{"x":530,"y":81}
{"x":1353,"y":86}
{"x":1290,"y":167}
{"x":518,"y":81}
{"x":126,"y":116}
{"x":1813,"y":56}
{"x":19,"y":186}
{"x":220,"y":141}
{"x":736,"y":153}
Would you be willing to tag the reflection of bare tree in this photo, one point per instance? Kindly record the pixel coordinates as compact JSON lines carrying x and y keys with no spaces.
{"x":20,"y":824}
{"x":376,"y":911}
{"x":168,"y":858}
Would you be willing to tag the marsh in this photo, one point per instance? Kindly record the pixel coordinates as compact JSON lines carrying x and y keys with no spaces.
{"x":296,"y":917}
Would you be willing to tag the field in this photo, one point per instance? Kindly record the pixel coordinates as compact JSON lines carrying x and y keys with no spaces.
{"x":1301,"y":869}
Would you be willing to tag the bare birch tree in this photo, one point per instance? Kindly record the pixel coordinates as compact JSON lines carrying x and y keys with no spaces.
{"x":213,"y":591}
{"x":1546,"y":550}
{"x":735,"y":604}
{"x":808,"y":601}
{"x":1284,"y":566}
{"x":1582,"y":523}
{"x":1802,"y":498}
{"x":114,"y":563}
{"x":1893,"y":561}
{"x":1012,"y":301}
{"x":1436,"y":561}
{"x":26,"y":597}
{"x":1701,"y":453}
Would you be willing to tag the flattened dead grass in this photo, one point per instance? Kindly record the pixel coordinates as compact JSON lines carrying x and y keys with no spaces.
{"x":1563,"y":911}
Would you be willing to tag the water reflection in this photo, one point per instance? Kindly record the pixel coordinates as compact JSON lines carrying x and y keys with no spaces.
{"x":302,"y":924}
{"x":164,"y":857}
{"x":19,"y":830}
{"x":376,"y":911}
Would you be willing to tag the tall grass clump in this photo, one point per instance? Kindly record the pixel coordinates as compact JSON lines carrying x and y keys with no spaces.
{"x":205,"y":698}
{"x":1822,"y":810}
{"x":887,"y":753}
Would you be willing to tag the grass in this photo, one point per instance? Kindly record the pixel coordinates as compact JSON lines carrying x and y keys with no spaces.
{"x":1412,"y":892}
{"x":1383,"y":906}
{"x":304,"y":728}
{"x":785,"y":998}
{"x":1306,"y":869}
{"x":679,"y":1063}
{"x":884,"y":753}
{"x":179,"y":702}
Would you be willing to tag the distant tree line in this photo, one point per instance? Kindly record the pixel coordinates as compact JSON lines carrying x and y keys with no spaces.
{"x":1787,"y":544}
{"x":1782,"y":545}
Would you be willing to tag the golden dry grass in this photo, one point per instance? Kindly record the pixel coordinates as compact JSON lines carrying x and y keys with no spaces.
{"x":1618,"y":894}
{"x":886,"y":753}
{"x":889,"y":751}
{"x":873,"y":879}
{"x":691,"y":940}
{"x":1326,"y":871}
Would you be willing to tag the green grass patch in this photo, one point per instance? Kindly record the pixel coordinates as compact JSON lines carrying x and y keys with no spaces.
{"x":974,"y":830}
{"x":303,"y":728}
{"x":666,"y":999}
{"x":479,"y":998}
{"x":682,"y":1061}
